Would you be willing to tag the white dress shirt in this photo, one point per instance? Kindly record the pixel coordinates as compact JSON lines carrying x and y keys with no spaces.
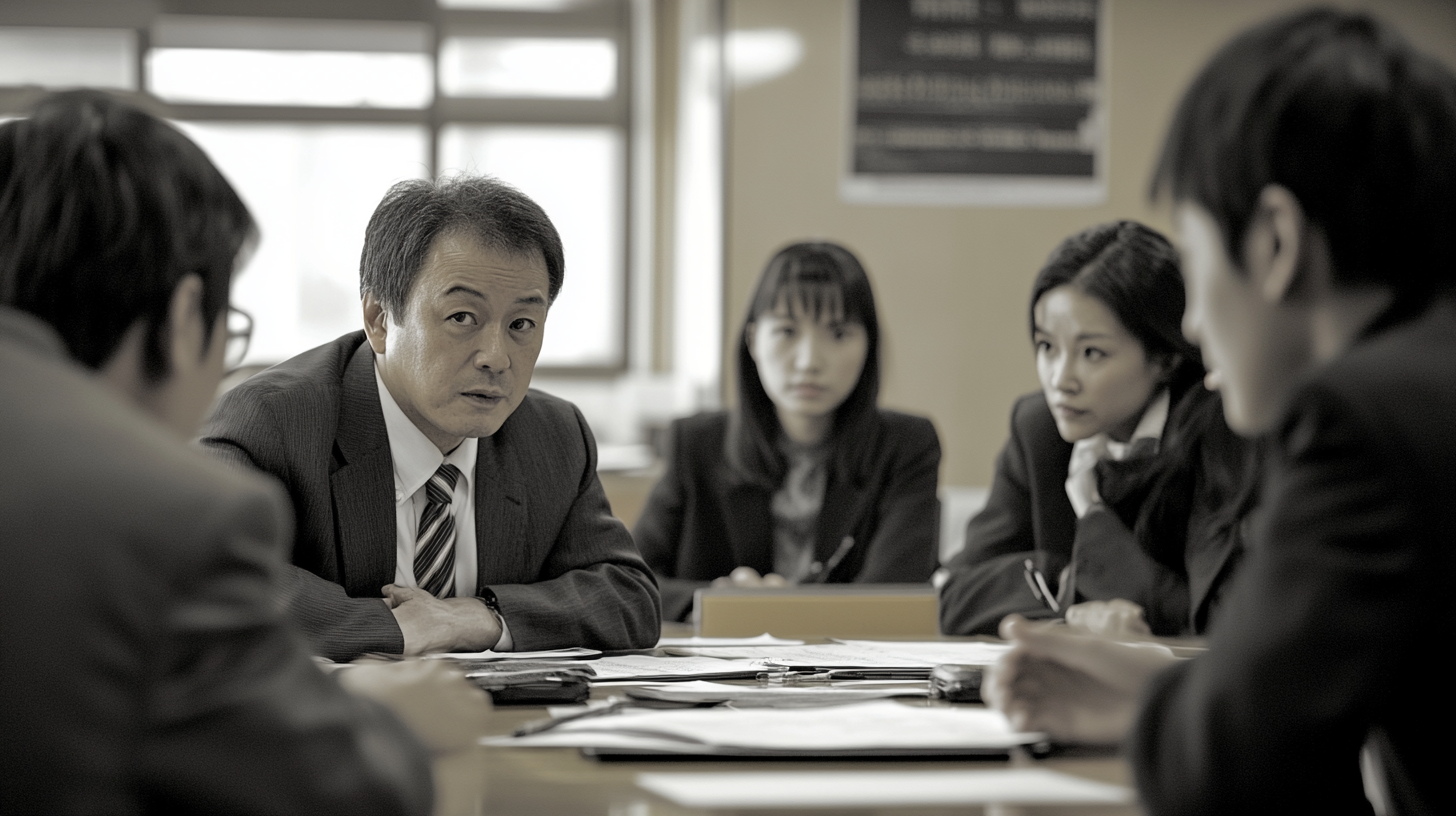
{"x":1086,"y":453}
{"x":416,"y":459}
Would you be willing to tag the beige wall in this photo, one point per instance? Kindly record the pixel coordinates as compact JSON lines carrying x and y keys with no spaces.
{"x":952,"y":281}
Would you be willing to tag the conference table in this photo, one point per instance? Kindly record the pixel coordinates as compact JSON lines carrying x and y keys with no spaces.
{"x":499,"y":781}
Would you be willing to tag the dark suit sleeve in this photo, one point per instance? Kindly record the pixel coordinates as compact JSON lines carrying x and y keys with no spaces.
{"x":1315,"y":643}
{"x":1108,"y":563}
{"x":595,"y":591}
{"x":240,"y":720}
{"x":905,"y":544}
{"x":659,"y":530}
{"x":987,"y":579}
{"x":242,"y":432}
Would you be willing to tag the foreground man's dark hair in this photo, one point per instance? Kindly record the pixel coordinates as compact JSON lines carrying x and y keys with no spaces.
{"x":1358,"y":125}
{"x":103,"y":209}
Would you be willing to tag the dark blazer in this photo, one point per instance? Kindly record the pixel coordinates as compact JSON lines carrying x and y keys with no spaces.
{"x":703,"y":519}
{"x":145,"y":665}
{"x":565,"y":571}
{"x":1028,"y":515}
{"x":1333,"y":633}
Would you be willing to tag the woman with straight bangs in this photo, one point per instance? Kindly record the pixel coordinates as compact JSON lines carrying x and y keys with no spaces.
{"x":1118,"y":500}
{"x":806,"y":480}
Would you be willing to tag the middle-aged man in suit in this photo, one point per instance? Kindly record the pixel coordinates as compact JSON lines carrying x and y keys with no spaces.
{"x":440,"y":504}
{"x":1312,"y":168}
{"x":145,"y":664}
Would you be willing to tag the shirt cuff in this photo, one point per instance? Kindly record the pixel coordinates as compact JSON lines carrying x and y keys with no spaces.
{"x":505,"y":644}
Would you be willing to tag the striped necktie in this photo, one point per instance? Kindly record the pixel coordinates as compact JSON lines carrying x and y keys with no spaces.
{"x":435,"y":543}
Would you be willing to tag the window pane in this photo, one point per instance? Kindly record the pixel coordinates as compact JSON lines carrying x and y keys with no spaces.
{"x":312,"y":189}
{"x":562,"y":68}
{"x":257,"y":77}
{"x":576,"y":175}
{"x":68,"y":57}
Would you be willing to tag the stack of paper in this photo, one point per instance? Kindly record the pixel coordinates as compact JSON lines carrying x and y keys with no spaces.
{"x":864,"y":654}
{"x":639,"y":668}
{"x":881,"y":728}
{"x":700,"y":692}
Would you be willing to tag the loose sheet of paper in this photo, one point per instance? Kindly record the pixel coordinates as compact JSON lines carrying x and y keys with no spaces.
{"x":861,"y":789}
{"x":549,"y":654}
{"x":936,"y":652}
{"x":878,"y":725}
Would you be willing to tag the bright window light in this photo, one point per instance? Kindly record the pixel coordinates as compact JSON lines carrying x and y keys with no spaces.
{"x":559,"y":68}
{"x":68,"y":57}
{"x":311,"y":189}
{"x":324,"y":78}
{"x":576,"y":175}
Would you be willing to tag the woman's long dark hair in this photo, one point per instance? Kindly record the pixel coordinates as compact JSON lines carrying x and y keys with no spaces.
{"x":1133,"y":271}
{"x":817,"y":278}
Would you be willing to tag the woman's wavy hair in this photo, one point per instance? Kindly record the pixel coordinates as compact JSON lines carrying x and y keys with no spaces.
{"x":821,"y":279}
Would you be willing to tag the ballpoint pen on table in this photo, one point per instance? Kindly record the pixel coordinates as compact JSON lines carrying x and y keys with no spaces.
{"x":614,"y":704}
{"x":795,"y":678}
{"x":1039,"y":588}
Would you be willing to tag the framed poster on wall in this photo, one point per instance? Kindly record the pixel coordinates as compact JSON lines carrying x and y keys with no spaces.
{"x":976,"y":102}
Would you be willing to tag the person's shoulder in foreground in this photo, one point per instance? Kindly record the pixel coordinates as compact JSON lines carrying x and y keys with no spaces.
{"x":1328,"y":643}
{"x":145,"y":664}
{"x":145,"y":661}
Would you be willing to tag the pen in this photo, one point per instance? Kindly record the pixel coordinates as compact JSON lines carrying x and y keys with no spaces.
{"x":1039,"y":588}
{"x":845,"y":545}
{"x":879,"y":674}
{"x":614,"y":704}
{"x":833,"y":675}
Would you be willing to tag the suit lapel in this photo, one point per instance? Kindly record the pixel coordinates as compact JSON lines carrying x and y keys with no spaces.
{"x":500,"y":519}
{"x":363,"y":482}
{"x":1207,"y":562}
{"x":748,"y":523}
{"x":843,"y":507}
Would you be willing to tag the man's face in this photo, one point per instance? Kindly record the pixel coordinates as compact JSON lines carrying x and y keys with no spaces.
{"x":1251,"y":344}
{"x":459,"y":359}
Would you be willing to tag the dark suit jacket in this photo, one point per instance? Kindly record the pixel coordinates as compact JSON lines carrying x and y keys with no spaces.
{"x":564,"y":570}
{"x":145,"y":665}
{"x":1334,"y":631}
{"x":703,"y":519}
{"x":1028,"y":515}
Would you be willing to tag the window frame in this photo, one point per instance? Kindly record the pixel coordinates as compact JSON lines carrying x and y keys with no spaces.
{"x":609,"y":19}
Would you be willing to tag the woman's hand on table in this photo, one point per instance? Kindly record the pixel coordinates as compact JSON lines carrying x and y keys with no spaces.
{"x":748,"y":577}
{"x":1117,"y":619}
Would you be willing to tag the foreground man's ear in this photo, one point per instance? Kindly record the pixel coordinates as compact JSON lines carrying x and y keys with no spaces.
{"x":1276,"y":245}
{"x":376,"y":322}
{"x":187,"y":335}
